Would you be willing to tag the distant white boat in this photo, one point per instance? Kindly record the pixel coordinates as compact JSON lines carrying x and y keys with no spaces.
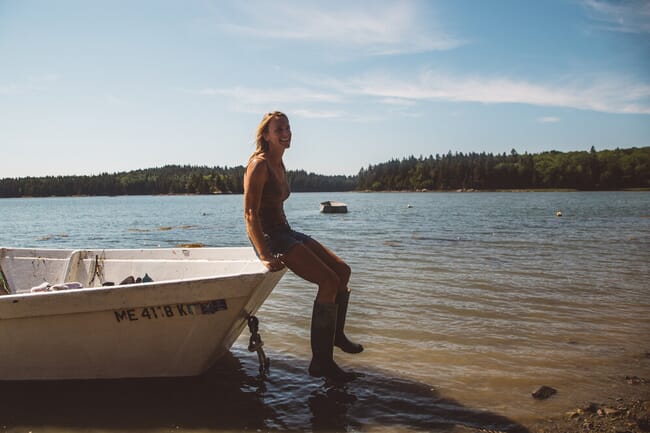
{"x":333,"y":207}
{"x":195,"y":305}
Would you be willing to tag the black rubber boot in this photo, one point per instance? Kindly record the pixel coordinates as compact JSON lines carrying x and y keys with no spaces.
{"x":323,"y":326}
{"x":340,"y":340}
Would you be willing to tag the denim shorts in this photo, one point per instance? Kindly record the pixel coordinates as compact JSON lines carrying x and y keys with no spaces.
{"x":280,"y":242}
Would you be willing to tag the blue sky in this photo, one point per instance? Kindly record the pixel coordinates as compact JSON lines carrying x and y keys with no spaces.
{"x":94,"y":86}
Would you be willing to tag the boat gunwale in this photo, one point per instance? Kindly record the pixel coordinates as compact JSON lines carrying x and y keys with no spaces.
{"x":64,"y":254}
{"x":120,"y":287}
{"x":102,"y":299}
{"x":194,"y":289}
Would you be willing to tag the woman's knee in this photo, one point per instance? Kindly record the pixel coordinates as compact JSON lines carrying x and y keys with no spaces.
{"x":343,"y":271}
{"x":330,"y":281}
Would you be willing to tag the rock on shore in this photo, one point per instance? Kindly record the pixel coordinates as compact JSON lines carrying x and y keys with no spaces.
{"x":616,"y":416}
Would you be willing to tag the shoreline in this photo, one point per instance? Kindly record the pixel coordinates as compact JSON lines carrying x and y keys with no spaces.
{"x":628,"y":411}
{"x":616,"y":415}
{"x":468,"y":190}
{"x":514,"y":190}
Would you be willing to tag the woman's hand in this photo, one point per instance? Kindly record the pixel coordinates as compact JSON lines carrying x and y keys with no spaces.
{"x":272,"y":263}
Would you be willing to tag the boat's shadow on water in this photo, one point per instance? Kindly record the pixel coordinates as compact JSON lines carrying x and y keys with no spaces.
{"x":232,"y":397}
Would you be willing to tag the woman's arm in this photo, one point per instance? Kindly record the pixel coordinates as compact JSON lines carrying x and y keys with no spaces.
{"x":257,"y":174}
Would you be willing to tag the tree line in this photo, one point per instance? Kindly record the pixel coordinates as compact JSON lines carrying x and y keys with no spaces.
{"x":170,"y":179}
{"x":602,"y":170}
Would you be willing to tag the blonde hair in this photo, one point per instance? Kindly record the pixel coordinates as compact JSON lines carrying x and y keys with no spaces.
{"x":262,"y":144}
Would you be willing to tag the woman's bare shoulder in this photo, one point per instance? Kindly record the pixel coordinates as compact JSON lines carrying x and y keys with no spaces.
{"x":258,"y":159}
{"x":257,"y":166}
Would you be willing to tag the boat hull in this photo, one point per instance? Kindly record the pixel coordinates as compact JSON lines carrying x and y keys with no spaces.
{"x":333,"y":207}
{"x":170,"y":327}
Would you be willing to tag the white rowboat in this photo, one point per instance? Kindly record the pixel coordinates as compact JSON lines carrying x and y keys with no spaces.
{"x":179,"y":324}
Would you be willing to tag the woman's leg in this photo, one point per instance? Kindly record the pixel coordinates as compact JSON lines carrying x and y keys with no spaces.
{"x":342,"y":297}
{"x":333,"y":261}
{"x":308,"y":265}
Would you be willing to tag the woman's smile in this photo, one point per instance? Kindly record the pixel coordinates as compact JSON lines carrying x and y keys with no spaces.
{"x":279,"y":132}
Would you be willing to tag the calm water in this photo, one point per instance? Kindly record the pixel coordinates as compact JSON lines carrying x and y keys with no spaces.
{"x":465,"y":303}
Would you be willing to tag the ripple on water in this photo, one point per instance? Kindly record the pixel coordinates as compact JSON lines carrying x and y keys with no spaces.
{"x":480,"y":297}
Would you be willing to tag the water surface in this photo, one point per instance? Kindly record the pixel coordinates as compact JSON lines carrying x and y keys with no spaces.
{"x":465,"y":304}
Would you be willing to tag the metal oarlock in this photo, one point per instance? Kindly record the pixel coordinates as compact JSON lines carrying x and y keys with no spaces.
{"x":255,"y":344}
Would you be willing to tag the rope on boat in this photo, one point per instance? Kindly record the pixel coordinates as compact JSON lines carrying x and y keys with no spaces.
{"x":98,"y":271}
{"x":4,"y":285}
{"x":255,"y":344}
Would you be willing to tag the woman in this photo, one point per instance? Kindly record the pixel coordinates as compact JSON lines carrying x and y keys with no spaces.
{"x":277,"y":245}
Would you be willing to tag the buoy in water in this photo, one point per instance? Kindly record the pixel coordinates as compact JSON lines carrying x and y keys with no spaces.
{"x":558,"y":213}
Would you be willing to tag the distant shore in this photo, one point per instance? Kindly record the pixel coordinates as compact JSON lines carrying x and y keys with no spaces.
{"x":470,"y":190}
{"x":605,"y":170}
{"x":462,"y":190}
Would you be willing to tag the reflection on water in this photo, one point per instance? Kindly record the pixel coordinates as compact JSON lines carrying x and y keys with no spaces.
{"x":232,"y":397}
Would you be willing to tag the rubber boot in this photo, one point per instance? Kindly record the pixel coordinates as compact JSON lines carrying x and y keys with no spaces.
{"x":323,"y":326}
{"x":340,"y":340}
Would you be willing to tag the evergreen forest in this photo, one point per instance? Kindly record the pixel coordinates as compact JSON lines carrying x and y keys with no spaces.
{"x":593,"y":170}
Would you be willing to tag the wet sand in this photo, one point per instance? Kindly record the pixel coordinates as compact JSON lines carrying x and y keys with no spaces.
{"x":232,"y":397}
{"x":613,"y":416}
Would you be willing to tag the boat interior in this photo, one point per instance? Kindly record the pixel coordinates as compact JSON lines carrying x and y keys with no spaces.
{"x":31,"y":270}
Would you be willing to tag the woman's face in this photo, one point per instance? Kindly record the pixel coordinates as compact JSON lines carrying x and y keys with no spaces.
{"x":278,"y":133}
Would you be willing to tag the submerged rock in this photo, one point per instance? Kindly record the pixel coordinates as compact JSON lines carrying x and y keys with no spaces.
{"x":635,"y":380}
{"x":544,"y":392}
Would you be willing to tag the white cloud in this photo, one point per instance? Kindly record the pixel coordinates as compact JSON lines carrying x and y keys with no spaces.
{"x":44,"y":78}
{"x":614,"y":95}
{"x":548,"y":119}
{"x":378,"y":28}
{"x":8,"y":89}
{"x":275,"y":96}
{"x":114,"y":100}
{"x":399,"y":102}
{"x":630,"y":16}
{"x":312,"y":114}
{"x":292,"y":99}
{"x":29,"y":84}
{"x":326,"y":98}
